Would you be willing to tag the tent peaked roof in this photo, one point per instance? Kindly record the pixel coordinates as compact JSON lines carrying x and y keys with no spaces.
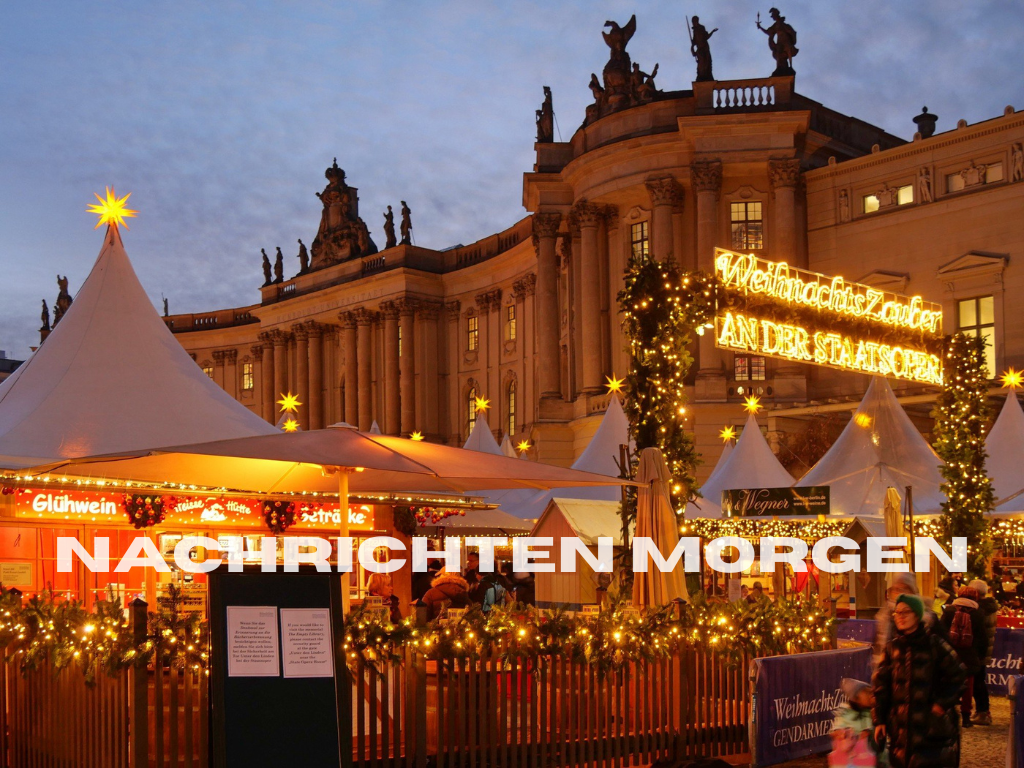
{"x":879,"y":448}
{"x":507,"y":448}
{"x":481,"y":439}
{"x":111,"y":377}
{"x":751,"y":464}
{"x":1005,"y":446}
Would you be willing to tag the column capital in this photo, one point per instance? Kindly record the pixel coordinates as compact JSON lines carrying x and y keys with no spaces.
{"x":257,"y":352}
{"x":783,"y":173}
{"x":219,"y":356}
{"x":706,"y":176}
{"x":546,"y":224}
{"x":525,"y":286}
{"x":277,"y":337}
{"x":314,"y":329}
{"x":489,"y":300}
{"x":388,"y":310}
{"x":429,"y":310}
{"x":585,"y":214}
{"x":348,"y":319}
{"x":611,"y":216}
{"x":365,"y":316}
{"x":407,"y":305}
{"x":301,"y":332}
{"x":665,"y":190}
{"x":454,"y":309}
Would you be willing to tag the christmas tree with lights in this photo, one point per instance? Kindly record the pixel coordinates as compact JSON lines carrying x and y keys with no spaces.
{"x":961,"y":417}
{"x":661,"y":307}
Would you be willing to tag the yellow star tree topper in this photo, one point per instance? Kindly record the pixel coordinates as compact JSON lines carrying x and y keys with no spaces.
{"x":614,"y":384}
{"x":290,"y":425}
{"x":417,"y":436}
{"x":1012,"y":379}
{"x":524,"y":445}
{"x":727,"y":434}
{"x":289,"y":403}
{"x":482,"y":403}
{"x":752,"y":404}
{"x":112,"y":210}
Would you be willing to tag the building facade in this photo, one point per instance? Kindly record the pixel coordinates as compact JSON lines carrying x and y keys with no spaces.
{"x":411,"y":338}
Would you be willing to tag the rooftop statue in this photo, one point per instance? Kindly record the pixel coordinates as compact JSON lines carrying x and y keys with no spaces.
{"x":46,"y":317}
{"x":546,"y":119}
{"x":781,"y":41}
{"x":406,"y":224}
{"x":303,"y":258}
{"x":700,"y":47}
{"x":389,"y":229}
{"x":643,"y":86}
{"x":342,"y":234}
{"x":279,"y":267}
{"x":63,"y":300}
{"x":617,"y":71}
{"x":267,"y":277}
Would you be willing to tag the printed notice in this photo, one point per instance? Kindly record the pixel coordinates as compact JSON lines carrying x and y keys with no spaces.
{"x":252,"y":641}
{"x":306,"y":642}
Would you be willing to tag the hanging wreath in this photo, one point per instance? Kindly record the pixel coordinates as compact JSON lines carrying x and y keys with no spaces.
{"x":434,"y":515}
{"x":278,"y":515}
{"x":147,"y":511}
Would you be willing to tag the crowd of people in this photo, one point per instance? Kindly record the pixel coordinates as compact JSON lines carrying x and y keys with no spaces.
{"x":929,"y":678}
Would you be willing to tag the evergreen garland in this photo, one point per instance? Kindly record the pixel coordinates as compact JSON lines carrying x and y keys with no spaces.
{"x":961,"y":417}
{"x":661,"y":307}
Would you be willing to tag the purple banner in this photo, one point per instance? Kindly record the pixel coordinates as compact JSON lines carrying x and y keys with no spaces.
{"x":861,"y":630}
{"x":1007,"y":660}
{"x":794,"y":700}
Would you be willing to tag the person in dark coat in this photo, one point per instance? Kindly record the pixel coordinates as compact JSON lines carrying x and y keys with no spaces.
{"x":988,"y":607}
{"x":447,"y":589}
{"x":421,"y":581}
{"x":965,"y":630}
{"x":917,"y":686}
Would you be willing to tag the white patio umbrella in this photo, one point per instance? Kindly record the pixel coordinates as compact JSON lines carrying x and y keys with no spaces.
{"x":656,"y":519}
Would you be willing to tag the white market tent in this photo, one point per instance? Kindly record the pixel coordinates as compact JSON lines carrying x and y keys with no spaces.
{"x":482,"y":439}
{"x":600,"y":457}
{"x":507,"y":448}
{"x":1005,"y":447}
{"x":750,"y":464}
{"x":879,"y":448}
{"x":111,"y":377}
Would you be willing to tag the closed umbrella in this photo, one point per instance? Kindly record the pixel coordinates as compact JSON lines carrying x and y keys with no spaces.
{"x":892,"y":514}
{"x":656,"y":519}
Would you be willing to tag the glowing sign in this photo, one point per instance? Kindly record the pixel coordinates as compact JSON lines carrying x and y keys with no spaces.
{"x":67,"y":505}
{"x":769,"y":308}
{"x":741,"y":333}
{"x":753,"y":276}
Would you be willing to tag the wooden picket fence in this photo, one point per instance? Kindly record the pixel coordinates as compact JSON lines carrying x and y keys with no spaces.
{"x":465,"y":712}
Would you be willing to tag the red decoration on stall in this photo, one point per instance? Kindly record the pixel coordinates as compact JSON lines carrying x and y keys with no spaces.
{"x":278,"y":515}
{"x":147,"y":511}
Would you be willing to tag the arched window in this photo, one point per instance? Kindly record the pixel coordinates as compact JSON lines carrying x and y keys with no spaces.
{"x":512,"y":407}
{"x":471,"y":402}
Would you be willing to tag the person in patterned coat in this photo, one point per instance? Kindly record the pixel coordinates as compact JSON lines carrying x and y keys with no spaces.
{"x":917,"y":686}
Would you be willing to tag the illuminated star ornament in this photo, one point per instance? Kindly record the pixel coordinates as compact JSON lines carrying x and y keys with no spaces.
{"x":1013,"y":379}
{"x":482,"y":403}
{"x":112,"y":210}
{"x":289,"y":403}
{"x":727,"y":434}
{"x":752,"y":404}
{"x":290,"y":425}
{"x":417,"y":436}
{"x":523,"y":446}
{"x":614,"y":384}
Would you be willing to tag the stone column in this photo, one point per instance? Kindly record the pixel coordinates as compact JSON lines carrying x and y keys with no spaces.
{"x":348,"y":330}
{"x":545,"y":230}
{"x":256,"y":350}
{"x":364,"y":350}
{"x":316,"y":375}
{"x":266,"y":355}
{"x":301,"y":333}
{"x":218,"y":367}
{"x":589,"y":215}
{"x":392,"y":397}
{"x":706,"y":179}
{"x":231,"y":372}
{"x":407,"y":365}
{"x":524,"y":290}
{"x":783,"y":177}
{"x":280,"y":339}
{"x":426,"y":340}
{"x":666,"y":195}
{"x":454,"y":357}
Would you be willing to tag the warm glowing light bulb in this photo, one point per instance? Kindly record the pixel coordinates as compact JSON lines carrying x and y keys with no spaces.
{"x":112,"y":210}
{"x":289,"y":403}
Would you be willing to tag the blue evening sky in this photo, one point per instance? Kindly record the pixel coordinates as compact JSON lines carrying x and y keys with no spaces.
{"x":220,"y":117}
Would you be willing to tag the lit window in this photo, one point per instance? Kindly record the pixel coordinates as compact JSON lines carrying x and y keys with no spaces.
{"x":747,"y":226}
{"x":870,"y":203}
{"x":976,"y":317}
{"x":741,"y":369}
{"x":208,"y":370}
{"x":974,"y":176}
{"x":757,"y":369}
{"x":905,"y":195}
{"x":474,"y":333}
{"x":889,"y":197}
{"x":512,"y":407}
{"x":471,"y":401}
{"x":247,"y":377}
{"x":510,"y":322}
{"x":640,"y":240}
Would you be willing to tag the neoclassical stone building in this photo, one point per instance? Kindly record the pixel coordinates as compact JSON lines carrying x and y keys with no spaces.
{"x":409,"y":337}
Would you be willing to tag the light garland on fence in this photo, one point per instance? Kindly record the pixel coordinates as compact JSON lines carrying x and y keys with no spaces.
{"x":755,"y":528}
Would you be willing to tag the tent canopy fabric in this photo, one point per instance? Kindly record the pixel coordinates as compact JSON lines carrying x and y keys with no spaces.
{"x":750,"y":464}
{"x":293,"y":462}
{"x":482,"y":439}
{"x":507,"y":448}
{"x":111,"y":377}
{"x":1005,"y":447}
{"x":480,"y":522}
{"x":600,"y":457}
{"x":589,"y":519}
{"x":878,"y":449}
